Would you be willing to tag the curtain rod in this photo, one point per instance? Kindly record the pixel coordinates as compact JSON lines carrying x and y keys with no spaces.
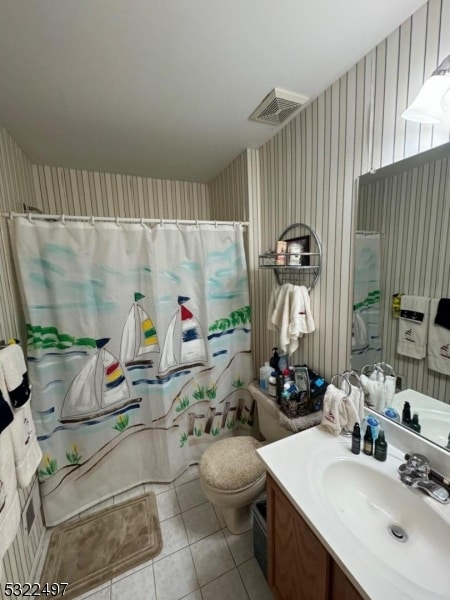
{"x":92,"y":219}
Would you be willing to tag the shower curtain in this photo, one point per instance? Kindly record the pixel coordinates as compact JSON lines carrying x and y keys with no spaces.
{"x":138,"y":351}
{"x":366,"y":339}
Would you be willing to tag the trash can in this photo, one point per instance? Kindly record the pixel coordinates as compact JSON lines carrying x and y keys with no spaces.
{"x":259,"y":511}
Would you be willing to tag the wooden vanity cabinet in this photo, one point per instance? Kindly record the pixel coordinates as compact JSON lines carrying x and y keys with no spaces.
{"x":300,"y":568}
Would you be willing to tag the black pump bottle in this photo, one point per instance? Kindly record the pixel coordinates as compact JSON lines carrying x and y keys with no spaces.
{"x":356,"y":439}
{"x":368,"y":441}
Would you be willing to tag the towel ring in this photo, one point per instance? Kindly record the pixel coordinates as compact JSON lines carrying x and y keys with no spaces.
{"x":344,"y":377}
{"x":373,"y":368}
{"x":349,"y":374}
{"x":386,"y":367}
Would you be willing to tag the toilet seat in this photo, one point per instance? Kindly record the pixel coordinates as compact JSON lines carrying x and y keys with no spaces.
{"x":232,"y":477}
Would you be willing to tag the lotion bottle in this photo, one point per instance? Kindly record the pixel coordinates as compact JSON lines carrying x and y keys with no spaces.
{"x":380,"y":446}
{"x":356,"y":439}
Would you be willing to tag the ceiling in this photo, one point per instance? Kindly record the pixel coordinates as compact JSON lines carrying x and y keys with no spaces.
{"x":164,"y":88}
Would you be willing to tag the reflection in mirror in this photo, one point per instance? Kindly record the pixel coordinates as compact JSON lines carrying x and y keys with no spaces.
{"x":402,"y":256}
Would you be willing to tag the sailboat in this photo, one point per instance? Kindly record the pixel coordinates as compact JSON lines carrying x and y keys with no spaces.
{"x":138,"y":336}
{"x":100,"y":388}
{"x":185,"y":344}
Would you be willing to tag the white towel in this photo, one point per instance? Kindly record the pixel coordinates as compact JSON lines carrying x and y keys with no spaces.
{"x":26,"y":449}
{"x":14,"y":367}
{"x":413,"y":326}
{"x":357,"y":399}
{"x":389,"y":391}
{"x":9,"y":498}
{"x":290,"y":313}
{"x":438,"y":343}
{"x":334,"y":412}
{"x":374,"y":390}
{"x":360,"y":340}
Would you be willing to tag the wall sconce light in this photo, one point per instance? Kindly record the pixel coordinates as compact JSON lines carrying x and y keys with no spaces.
{"x":433,"y":101}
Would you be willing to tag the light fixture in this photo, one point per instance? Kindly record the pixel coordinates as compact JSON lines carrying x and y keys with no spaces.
{"x":433,"y":100}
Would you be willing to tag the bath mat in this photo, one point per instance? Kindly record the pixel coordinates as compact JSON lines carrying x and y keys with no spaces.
{"x":88,"y":552}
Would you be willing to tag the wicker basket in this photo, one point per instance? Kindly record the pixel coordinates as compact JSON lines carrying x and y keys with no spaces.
{"x":294,"y":407}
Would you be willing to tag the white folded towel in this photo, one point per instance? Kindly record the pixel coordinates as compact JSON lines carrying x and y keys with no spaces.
{"x":413,"y":326}
{"x":389,"y":390}
{"x":14,"y":366}
{"x":356,"y":397}
{"x":334,"y":411}
{"x":438,"y":343}
{"x":9,"y":498}
{"x":290,"y":312}
{"x":26,"y":449}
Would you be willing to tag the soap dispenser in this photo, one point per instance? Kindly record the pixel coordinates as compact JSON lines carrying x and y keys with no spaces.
{"x":380,"y":447}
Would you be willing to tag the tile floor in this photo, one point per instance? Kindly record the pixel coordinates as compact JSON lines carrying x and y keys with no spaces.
{"x":201,"y":559}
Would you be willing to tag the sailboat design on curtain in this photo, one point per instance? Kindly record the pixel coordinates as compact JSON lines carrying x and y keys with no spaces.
{"x":191,"y":350}
{"x":138,"y":336}
{"x":100,"y":388}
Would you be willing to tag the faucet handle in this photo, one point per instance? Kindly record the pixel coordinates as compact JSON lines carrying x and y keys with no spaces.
{"x":416,"y":464}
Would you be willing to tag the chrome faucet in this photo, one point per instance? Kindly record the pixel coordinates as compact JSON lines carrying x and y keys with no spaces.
{"x":416,"y":473}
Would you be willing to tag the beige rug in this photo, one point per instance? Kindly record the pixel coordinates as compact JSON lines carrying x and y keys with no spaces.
{"x":88,"y":552}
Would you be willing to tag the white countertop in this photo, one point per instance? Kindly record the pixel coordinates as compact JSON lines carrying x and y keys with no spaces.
{"x":296,"y":464}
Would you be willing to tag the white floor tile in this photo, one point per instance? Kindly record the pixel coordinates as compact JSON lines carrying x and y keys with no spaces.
{"x":168,"y":505}
{"x":138,"y":586}
{"x":102,"y":592}
{"x":200,"y":522}
{"x":219,"y":514}
{"x":190,"y":495}
{"x":197,"y":595}
{"x":226,"y":587}
{"x":173,"y":536}
{"x":175,"y":576}
{"x":143,"y":565}
{"x":241,"y":546}
{"x":212,"y":557}
{"x":254,"y":581}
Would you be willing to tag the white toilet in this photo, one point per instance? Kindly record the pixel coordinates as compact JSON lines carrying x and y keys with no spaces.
{"x":233,"y":476}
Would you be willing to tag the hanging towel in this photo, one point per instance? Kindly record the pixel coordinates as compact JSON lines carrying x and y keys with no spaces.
{"x":290,"y":313}
{"x":26,"y":449}
{"x":373,"y":390}
{"x":12,"y":363}
{"x":6,"y":414}
{"x":413,"y":326}
{"x":438,"y":343}
{"x":389,"y":390}
{"x":357,"y":399}
{"x":443,"y":313}
{"x":333,"y":410}
{"x":9,"y":498}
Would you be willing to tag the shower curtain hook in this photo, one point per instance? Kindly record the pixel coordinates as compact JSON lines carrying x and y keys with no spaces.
{"x":92,"y":222}
{"x":117,"y":222}
{"x":30,"y":218}
{"x":142,"y":222}
{"x":215,"y":224}
{"x":63,"y":219}
{"x":161,"y":222}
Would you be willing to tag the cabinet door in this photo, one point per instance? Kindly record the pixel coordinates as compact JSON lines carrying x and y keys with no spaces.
{"x":298,"y":563}
{"x":341,"y":587}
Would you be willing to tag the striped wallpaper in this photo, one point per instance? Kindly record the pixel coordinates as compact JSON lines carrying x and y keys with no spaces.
{"x":305,"y":173}
{"x":75,"y":192}
{"x":411,"y":211}
{"x":308,"y":172}
{"x":16,"y":188}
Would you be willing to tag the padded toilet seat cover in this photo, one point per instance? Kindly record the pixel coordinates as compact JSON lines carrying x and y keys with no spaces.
{"x":232,"y":464}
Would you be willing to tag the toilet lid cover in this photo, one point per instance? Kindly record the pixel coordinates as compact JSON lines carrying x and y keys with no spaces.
{"x":232,"y":464}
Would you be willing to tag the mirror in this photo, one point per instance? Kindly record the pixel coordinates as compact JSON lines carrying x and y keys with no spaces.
{"x":402,"y":246}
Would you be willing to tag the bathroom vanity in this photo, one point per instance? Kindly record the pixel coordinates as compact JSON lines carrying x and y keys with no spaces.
{"x":344,"y":527}
{"x":299,"y":564}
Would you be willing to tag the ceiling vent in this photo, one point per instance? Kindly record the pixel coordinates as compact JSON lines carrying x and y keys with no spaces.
{"x":278,"y":106}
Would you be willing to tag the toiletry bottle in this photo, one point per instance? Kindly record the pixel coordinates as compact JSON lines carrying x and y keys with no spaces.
{"x":368,"y":441}
{"x":406,"y":413}
{"x":356,"y":439}
{"x":380,"y":447}
{"x":274,"y":360}
{"x":273,"y":385}
{"x":279,"y":386}
{"x":415,"y":423}
{"x":264,"y":374}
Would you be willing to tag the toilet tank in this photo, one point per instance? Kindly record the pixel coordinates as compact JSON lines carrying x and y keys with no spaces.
{"x":268,"y":416}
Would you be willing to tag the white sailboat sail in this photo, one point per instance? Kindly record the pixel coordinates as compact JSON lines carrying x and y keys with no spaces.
{"x":98,"y":389}
{"x":184,"y":344}
{"x":168,"y":359}
{"x":138,"y":336}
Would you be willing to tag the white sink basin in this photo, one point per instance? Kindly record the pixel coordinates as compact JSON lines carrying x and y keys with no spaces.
{"x":391,"y":521}
{"x":359,"y":509}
